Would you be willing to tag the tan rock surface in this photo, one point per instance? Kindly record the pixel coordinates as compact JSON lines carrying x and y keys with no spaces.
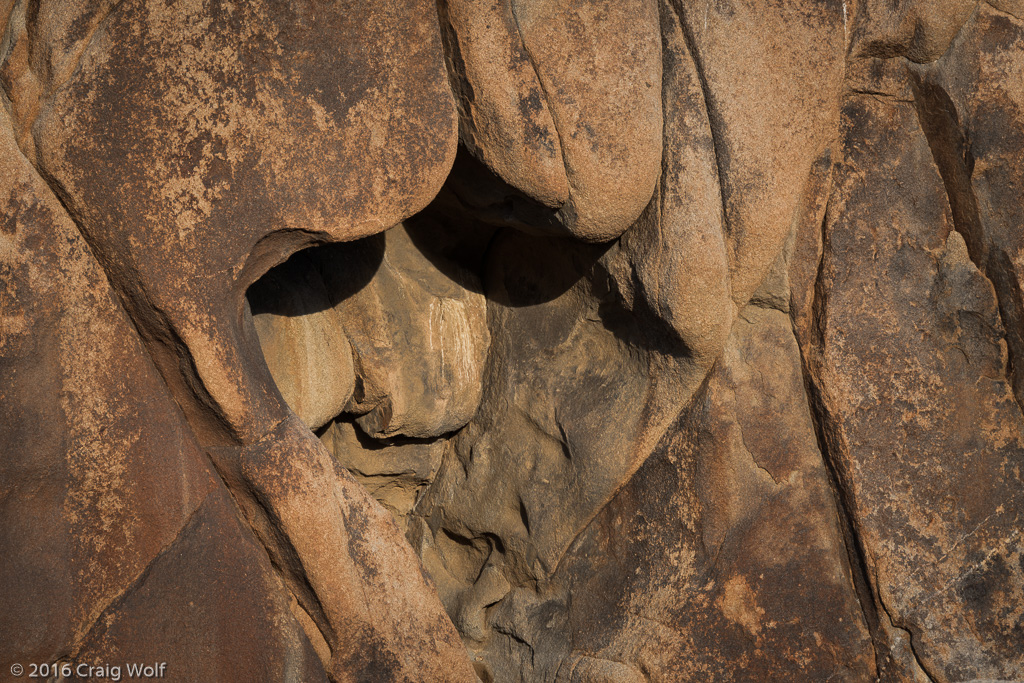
{"x":302,"y":340}
{"x":197,"y":144}
{"x":918,"y":414}
{"x":721,"y":559}
{"x":419,"y":339}
{"x":562,"y":101}
{"x":691,"y":349}
{"x":101,"y":475}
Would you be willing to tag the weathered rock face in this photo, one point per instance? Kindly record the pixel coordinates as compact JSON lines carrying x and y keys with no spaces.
{"x":936,"y":504}
{"x":699,"y":360}
{"x":194,"y":145}
{"x":561,"y":101}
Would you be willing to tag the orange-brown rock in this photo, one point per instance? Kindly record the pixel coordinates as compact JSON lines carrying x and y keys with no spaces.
{"x":513,"y":340}
{"x":910,"y":369}
{"x":195,"y":145}
{"x":562,"y":101}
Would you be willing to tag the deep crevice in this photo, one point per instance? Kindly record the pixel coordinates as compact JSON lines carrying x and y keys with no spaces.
{"x":830,"y":445}
{"x":951,"y":152}
{"x":856,"y":554}
{"x":838,"y":484}
{"x":716,"y":136}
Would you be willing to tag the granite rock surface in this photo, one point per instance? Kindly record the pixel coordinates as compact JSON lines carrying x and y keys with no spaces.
{"x":513,"y":340}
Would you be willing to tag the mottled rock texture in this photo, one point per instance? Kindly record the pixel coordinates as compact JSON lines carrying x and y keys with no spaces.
{"x":574,"y":341}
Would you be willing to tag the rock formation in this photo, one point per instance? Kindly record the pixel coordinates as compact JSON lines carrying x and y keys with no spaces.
{"x":519,"y":340}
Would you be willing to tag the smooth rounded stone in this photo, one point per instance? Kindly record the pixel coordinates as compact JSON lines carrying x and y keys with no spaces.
{"x":562,"y":101}
{"x":258,"y":139}
{"x":507,"y":123}
{"x":698,"y":359}
{"x":418,"y":333}
{"x":772,"y":77}
{"x":302,"y":340}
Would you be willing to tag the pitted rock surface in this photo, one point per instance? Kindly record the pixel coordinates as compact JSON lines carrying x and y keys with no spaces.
{"x":514,"y":340}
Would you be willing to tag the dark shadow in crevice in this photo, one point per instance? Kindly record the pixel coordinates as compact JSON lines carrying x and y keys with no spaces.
{"x":638,"y":324}
{"x":452,"y":240}
{"x":369,"y":443}
{"x":317,"y":278}
{"x":458,"y":228}
{"x":346,"y":268}
{"x":510,"y":244}
{"x":528,"y":270}
{"x":485,"y":195}
{"x":831,"y":445}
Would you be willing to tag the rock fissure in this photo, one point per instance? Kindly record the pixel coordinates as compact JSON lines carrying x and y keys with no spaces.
{"x":726,"y":387}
